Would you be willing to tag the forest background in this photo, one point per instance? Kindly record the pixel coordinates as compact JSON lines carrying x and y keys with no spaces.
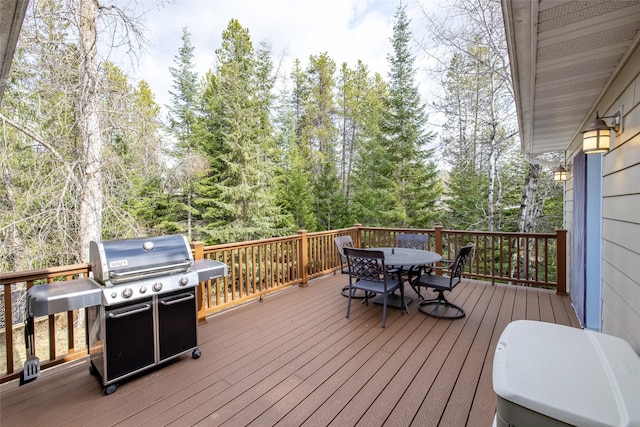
{"x":250,"y":151}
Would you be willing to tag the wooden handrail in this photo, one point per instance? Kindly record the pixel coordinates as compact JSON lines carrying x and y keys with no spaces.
{"x":260,"y":267}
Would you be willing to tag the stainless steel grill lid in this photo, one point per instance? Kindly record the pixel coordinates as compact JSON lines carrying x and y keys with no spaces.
{"x":118,"y":261}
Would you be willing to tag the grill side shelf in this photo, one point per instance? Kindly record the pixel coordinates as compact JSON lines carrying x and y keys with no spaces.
{"x":51,"y":298}
{"x":209,"y":269}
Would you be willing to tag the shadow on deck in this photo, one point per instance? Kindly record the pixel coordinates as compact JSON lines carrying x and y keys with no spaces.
{"x":294,"y":359}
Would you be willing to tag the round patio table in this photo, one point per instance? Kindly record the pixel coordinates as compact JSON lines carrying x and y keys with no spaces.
{"x":407,"y":257}
{"x":404,"y":257}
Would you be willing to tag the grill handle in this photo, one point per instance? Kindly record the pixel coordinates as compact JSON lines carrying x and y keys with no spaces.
{"x":126,"y":313}
{"x":176,"y":301}
{"x":163,"y":269}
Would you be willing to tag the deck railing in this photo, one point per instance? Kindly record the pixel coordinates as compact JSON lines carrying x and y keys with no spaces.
{"x":257,"y":268}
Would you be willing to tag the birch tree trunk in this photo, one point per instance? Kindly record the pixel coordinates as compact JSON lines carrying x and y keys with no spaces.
{"x":88,"y":118}
{"x":529,"y":211}
{"x":528,"y":207}
{"x":491,"y":202}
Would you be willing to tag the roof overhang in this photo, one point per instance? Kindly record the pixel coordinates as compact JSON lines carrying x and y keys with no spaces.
{"x":11,"y":16}
{"x":564,"y":55}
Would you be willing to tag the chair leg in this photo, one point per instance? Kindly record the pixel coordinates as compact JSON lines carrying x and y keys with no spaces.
{"x":349,"y":302}
{"x":415,"y":287}
{"x":402,"y":301}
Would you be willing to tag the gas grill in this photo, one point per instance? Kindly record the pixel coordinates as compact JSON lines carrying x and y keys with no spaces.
{"x":142,"y":305}
{"x":133,"y":269}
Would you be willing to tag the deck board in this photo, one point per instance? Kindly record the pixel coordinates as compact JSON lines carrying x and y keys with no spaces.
{"x":295,"y":359}
{"x":484,"y":402}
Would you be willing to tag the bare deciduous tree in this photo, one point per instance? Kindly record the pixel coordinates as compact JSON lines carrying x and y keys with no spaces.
{"x":55,"y":105}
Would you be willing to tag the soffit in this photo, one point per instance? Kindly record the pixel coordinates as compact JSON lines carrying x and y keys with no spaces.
{"x":563,"y":55}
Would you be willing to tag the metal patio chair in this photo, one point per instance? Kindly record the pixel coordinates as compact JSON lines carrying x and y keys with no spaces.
{"x":342,"y":242}
{"x":440,"y":306}
{"x":412,"y":241}
{"x":368,"y":272}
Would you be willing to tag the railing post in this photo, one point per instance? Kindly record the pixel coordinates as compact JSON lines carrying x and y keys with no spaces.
{"x":8,"y":327}
{"x":438,"y":238}
{"x":438,"y":242}
{"x":303,"y":258}
{"x":198,"y":253}
{"x":357,"y":242}
{"x":561,"y":259}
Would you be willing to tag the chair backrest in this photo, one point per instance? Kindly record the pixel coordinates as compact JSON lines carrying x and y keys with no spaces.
{"x":365,"y":264}
{"x":413,"y":241}
{"x":342,"y":242}
{"x":458,"y":264}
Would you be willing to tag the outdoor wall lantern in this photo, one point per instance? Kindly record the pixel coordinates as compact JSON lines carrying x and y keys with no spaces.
{"x":560,"y":174}
{"x":597,"y":136}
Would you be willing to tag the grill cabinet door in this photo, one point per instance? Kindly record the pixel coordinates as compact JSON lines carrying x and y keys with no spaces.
{"x":129,"y":344}
{"x":177,"y":322}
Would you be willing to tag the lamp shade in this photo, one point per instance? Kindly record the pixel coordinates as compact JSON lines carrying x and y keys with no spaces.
{"x":560,"y":174}
{"x":597,"y":137}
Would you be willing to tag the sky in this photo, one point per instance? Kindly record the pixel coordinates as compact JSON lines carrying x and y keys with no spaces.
{"x":348,"y":30}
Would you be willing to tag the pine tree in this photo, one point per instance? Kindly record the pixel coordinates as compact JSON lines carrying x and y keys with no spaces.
{"x":149,"y":201}
{"x":184,"y":94}
{"x":318,"y":137}
{"x":182,"y":214}
{"x":404,"y":130}
{"x":353,"y":88}
{"x":234,"y":136}
{"x":295,"y":191}
{"x":467,"y":184}
{"x":375,"y":191}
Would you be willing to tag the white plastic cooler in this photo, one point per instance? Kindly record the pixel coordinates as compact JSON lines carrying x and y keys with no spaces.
{"x":552,"y":375}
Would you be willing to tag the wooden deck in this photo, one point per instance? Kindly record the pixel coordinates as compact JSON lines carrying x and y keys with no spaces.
{"x":294,"y":359}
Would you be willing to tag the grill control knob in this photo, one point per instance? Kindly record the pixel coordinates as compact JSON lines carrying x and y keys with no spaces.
{"x":127,"y":293}
{"x":157,"y":286}
{"x":184,"y":281}
{"x":114,"y":295}
{"x":143,"y":289}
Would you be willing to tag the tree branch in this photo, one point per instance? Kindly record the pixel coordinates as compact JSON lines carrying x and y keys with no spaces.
{"x":37,"y":138}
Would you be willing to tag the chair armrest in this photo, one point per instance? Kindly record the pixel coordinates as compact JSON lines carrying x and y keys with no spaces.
{"x":431,"y":269}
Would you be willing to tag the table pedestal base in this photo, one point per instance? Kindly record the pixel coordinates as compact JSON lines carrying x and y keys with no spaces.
{"x":393,"y":300}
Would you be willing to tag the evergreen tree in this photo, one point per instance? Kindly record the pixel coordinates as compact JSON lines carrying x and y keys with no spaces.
{"x":467,"y":184}
{"x":353,"y":89}
{"x":36,"y":193}
{"x":184,"y":95}
{"x":318,"y":136}
{"x":123,"y":165}
{"x":182,"y":214}
{"x":150,"y":201}
{"x":404,"y":130}
{"x":237,"y":143}
{"x":375,"y":190}
{"x":295,"y":191}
